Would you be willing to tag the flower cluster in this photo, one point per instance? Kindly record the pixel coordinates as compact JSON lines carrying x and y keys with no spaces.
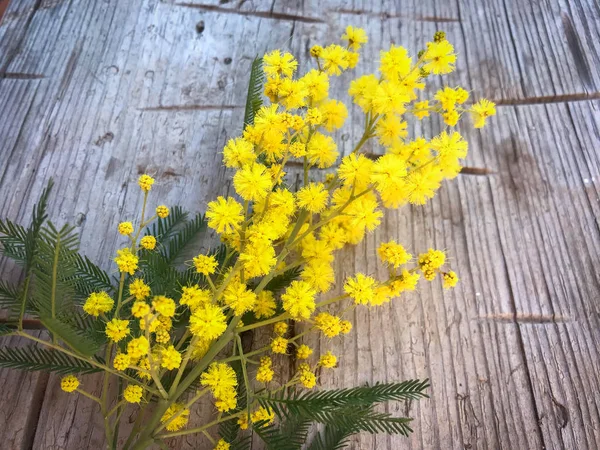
{"x":268,"y":229}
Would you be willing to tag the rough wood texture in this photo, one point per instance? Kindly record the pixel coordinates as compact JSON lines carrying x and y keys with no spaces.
{"x":94,"y":93}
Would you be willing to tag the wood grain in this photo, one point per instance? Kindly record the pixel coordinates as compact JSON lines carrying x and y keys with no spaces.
{"x":98,"y":92}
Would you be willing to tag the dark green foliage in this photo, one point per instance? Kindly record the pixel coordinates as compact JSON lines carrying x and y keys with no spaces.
{"x":34,"y":358}
{"x":280,"y":282}
{"x":178,"y":240}
{"x":255,"y":88}
{"x":162,"y":229}
{"x":343,"y":411}
{"x":7,"y":328}
{"x":71,"y":336}
{"x":10,"y":298}
{"x":290,"y":435}
{"x":89,"y":277}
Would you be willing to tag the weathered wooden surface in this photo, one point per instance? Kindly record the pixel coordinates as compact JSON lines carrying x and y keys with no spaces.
{"x":95,"y":92}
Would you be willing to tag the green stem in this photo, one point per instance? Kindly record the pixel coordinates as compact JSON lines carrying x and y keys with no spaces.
{"x":244,"y":373}
{"x":203,"y":427}
{"x":90,"y":396}
{"x":24,"y":301}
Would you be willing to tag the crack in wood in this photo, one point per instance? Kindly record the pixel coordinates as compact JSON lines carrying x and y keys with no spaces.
{"x":574,"y":44}
{"x":191,"y":108}
{"x":261,"y":14}
{"x":548,"y":99}
{"x":386,"y":15}
{"x":21,"y":76}
{"x":527,"y":318}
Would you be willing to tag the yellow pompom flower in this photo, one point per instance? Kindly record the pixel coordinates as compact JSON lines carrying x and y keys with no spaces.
{"x":279,"y":345}
{"x":313,"y":197}
{"x":393,"y":253}
{"x":395,"y":63}
{"x":308,"y":379}
{"x":237,"y":153}
{"x":334,"y":114}
{"x":193,"y":297}
{"x":125,"y":228}
{"x":481,"y":111}
{"x":433,"y":259}
{"x":345,"y":326}
{"x":140,"y":309}
{"x":127,"y":261}
{"x":138,"y":347}
{"x":224,"y":215}
{"x":450,"y":279}
{"x":69,"y":383}
{"x":148,"y":242}
{"x":319,"y":274}
{"x":220,"y":378}
{"x":322,"y":150}
{"x":145,"y":182}
{"x":328,"y":360}
{"x":208,"y":322}
{"x":355,"y":170}
{"x":117,"y":329}
{"x":280,"y":328}
{"x":239,"y":298}
{"x":439,"y":57}
{"x":363,"y":90}
{"x":133,"y":393}
{"x":303,"y":351}
{"x":355,"y":37}
{"x":170,"y":358}
{"x":265,"y":373}
{"x":98,"y":303}
{"x":176,"y":417}
{"x":252,"y":182}
{"x":335,"y":59}
{"x":407,"y":281}
{"x":205,"y":264}
{"x":265,"y":305}
{"x":329,"y":324}
{"x":139,"y":289}
{"x":165,"y":306}
{"x":360,"y":288}
{"x":278,"y":64}
{"x":314,"y":117}
{"x":162,"y":211}
{"x":121,"y":361}
{"x":299,"y":300}
{"x":222,"y":444}
{"x":390,"y":129}
{"x":316,"y":51}
{"x":451,"y":117}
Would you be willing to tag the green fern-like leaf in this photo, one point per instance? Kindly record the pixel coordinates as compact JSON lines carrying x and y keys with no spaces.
{"x":280,"y":282}
{"x":10,"y":298}
{"x":34,"y":359}
{"x":7,"y":328}
{"x":13,"y":241}
{"x":89,"y":278}
{"x":290,"y":435}
{"x":162,"y":229}
{"x":331,"y":438}
{"x":179,"y":240}
{"x":255,"y":88}
{"x":69,"y":335}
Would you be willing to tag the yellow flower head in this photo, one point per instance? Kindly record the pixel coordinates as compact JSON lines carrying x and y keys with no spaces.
{"x":355,"y":37}
{"x":299,"y":300}
{"x":265,"y":305}
{"x":393,"y":254}
{"x":328,"y":360}
{"x":395,"y":63}
{"x":334,"y":114}
{"x":162,"y":211}
{"x":278,"y":64}
{"x":176,"y":417}
{"x":308,"y":379}
{"x":164,"y":305}
{"x":146,"y":182}
{"x":193,"y":297}
{"x":222,"y":444}
{"x":98,"y":303}
{"x":360,"y":288}
{"x":252,"y":182}
{"x":329,"y":324}
{"x":407,"y":281}
{"x":170,"y":358}
{"x":205,"y":264}
{"x":481,"y":111}
{"x":265,"y":373}
{"x":439,"y":57}
{"x":237,"y":153}
{"x":313,"y":197}
{"x":280,"y":328}
{"x":208,"y":322}
{"x":117,"y":329}
{"x":138,"y":347}
{"x":346,"y":326}
{"x":303,"y":351}
{"x":322,"y":150}
{"x":121,"y":361}
{"x":133,"y":393}
{"x":69,"y":383}
{"x":148,"y":242}
{"x":224,"y":215}
{"x":450,"y":279}
{"x":125,"y":228}
{"x":139,"y":289}
{"x":239,"y":298}
{"x":335,"y":59}
{"x":279,"y":345}
{"x":127,"y":261}
{"x":220,"y":378}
